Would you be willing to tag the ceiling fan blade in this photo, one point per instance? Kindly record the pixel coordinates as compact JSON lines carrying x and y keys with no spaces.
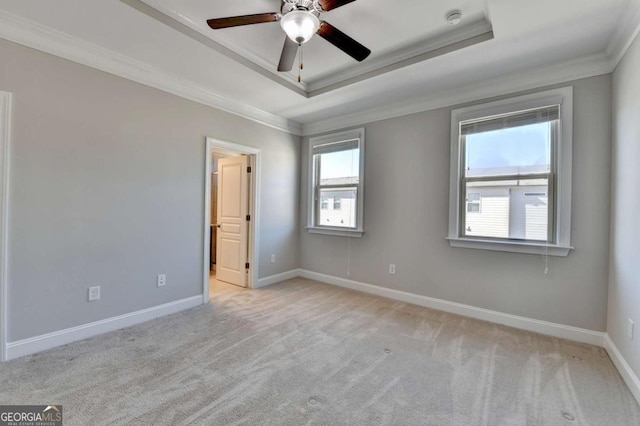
{"x":343,"y":41}
{"x":236,"y":21}
{"x":289,"y":51}
{"x":328,"y":5}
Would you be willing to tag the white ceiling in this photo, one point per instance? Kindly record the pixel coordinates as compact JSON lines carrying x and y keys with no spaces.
{"x":384,"y":29}
{"x":527,"y":36}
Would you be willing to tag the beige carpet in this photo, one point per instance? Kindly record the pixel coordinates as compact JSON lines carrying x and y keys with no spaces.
{"x":302,"y":352}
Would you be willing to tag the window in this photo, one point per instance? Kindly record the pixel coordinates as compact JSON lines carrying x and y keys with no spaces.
{"x":473,"y":202}
{"x":336,"y":183}
{"x":336,"y":203}
{"x":324,"y":203}
{"x":511,"y":174}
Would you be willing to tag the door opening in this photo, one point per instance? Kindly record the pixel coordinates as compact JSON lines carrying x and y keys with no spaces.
{"x":216,"y":155}
{"x":231,"y":216}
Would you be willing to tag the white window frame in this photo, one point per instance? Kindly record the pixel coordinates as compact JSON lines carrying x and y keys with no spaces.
{"x":312,"y":193}
{"x":562,"y":225}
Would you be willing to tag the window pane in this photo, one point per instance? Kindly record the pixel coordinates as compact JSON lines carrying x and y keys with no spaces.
{"x":511,"y":151}
{"x":342,"y":211}
{"x":339,"y":168}
{"x":515,"y":209}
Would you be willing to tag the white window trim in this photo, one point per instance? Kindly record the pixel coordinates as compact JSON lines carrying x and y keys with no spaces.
{"x":562,"y":245}
{"x":321,"y":140}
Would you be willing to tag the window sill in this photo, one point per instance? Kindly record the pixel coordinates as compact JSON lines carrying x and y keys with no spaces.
{"x":511,"y":246}
{"x":354,"y":233}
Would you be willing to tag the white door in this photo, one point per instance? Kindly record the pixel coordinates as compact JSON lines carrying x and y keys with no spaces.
{"x":233,"y":207}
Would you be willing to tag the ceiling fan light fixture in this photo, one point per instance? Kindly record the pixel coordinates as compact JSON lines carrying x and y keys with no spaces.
{"x":300,"y":25}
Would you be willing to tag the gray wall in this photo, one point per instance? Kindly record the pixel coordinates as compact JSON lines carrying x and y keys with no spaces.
{"x":107,"y":182}
{"x":624,"y":276}
{"x":107,"y":187}
{"x":406,"y":222}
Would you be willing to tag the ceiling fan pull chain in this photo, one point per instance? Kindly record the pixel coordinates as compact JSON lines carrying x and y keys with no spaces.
{"x":301,"y":65}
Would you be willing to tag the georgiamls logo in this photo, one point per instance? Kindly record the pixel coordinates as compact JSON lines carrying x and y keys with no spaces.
{"x":32,"y":415}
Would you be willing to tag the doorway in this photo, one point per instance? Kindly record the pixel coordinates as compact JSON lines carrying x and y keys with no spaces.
{"x":231,"y":217}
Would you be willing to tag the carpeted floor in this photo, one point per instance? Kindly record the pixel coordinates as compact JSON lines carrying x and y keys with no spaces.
{"x":302,"y":352}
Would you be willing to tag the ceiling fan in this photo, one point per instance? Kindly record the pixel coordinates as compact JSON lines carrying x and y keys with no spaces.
{"x":299,"y":20}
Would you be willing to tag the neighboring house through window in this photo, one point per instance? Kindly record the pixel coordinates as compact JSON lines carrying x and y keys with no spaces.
{"x":511,"y":174}
{"x":336,"y":183}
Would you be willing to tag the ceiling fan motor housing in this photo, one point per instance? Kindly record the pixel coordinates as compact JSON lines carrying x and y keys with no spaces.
{"x":308,"y":5}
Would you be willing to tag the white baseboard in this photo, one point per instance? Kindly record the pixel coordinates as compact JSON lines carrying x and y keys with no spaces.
{"x":543,"y":327}
{"x":629,"y":376}
{"x":273,"y":279}
{"x":58,"y":338}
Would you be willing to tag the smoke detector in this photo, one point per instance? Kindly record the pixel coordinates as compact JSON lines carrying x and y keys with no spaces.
{"x":454,"y":17}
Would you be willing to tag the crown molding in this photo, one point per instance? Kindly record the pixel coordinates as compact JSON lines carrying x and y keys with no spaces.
{"x":625,"y":33}
{"x":377,"y":70}
{"x":464,"y":36}
{"x":31,"y":34}
{"x":585,"y":67}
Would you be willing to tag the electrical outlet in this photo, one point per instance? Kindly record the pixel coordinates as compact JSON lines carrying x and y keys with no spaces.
{"x":630,"y":329}
{"x":162,"y":280}
{"x":392,"y":269}
{"x":273,"y":258}
{"x":94,"y":293}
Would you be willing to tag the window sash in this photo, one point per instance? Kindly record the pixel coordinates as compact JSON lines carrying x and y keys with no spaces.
{"x":550,"y":209}
{"x":318,"y":187}
{"x":551,"y":177}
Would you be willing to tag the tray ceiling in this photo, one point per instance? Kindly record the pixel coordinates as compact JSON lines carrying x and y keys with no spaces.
{"x":399,"y":34}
